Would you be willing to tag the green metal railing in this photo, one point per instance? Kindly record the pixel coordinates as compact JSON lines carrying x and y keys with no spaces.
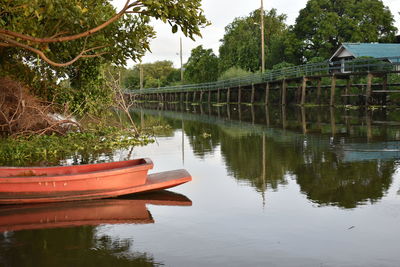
{"x":322,"y":68}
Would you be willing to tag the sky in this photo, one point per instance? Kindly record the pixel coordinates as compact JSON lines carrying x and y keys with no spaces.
{"x":220,"y":13}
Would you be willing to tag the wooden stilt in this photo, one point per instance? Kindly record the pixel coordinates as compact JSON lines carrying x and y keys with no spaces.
{"x":267,"y":94}
{"x":283,"y":93}
{"x":333,"y":121}
{"x":347,"y":90}
{"x":303,"y":91}
{"x":384,"y":87}
{"x":228,"y":95}
{"x":240,"y":94}
{"x":319,"y":91}
{"x":369,"y":89}
{"x":303,"y":119}
{"x":253,"y":89}
{"x":333,"y":89}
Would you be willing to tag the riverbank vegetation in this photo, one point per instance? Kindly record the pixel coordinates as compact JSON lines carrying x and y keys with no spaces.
{"x":62,"y":62}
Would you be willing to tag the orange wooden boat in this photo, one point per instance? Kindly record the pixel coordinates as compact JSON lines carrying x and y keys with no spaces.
{"x":91,"y":181}
{"x":83,"y":213}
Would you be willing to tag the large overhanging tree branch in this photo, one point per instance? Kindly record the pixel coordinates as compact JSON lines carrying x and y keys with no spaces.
{"x":184,"y":14}
{"x":136,"y":8}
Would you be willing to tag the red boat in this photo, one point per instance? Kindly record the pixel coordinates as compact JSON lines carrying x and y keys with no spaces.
{"x":94,"y":212}
{"x":91,"y":181}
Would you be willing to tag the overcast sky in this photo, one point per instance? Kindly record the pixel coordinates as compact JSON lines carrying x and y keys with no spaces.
{"x":221,"y":13}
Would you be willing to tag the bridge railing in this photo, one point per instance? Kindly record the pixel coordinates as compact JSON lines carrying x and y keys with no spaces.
{"x":321,"y":68}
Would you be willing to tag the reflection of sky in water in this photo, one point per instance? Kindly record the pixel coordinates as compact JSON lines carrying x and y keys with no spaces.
{"x":228,"y":225}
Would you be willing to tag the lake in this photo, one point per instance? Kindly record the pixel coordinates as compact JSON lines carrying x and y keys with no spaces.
{"x":271,"y":186}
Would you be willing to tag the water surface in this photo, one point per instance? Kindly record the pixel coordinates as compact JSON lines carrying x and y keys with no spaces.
{"x":271,"y":187}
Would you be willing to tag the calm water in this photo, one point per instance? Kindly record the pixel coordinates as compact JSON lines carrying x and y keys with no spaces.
{"x":271,"y":187}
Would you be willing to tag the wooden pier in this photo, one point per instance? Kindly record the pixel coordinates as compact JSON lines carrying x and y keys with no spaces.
{"x":320,"y":85}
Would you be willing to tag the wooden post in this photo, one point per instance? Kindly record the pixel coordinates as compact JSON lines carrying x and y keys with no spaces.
{"x":218,"y":95}
{"x":384,"y":87}
{"x":228,"y":95}
{"x":369,"y":89}
{"x":253,"y":89}
{"x":253,"y":115}
{"x":368,"y":120}
{"x":333,"y":89}
{"x":333,"y":121}
{"x":283,"y":93}
{"x":284,"y":122}
{"x":267,"y":116}
{"x":319,"y":91}
{"x":201,"y":96}
{"x":267,"y":94}
{"x":303,"y":119}
{"x":209,"y":96}
{"x":194,"y":97}
{"x":187,"y":97}
{"x":240,"y":94}
{"x":303,"y":91}
{"x":228,"y":111}
{"x":346,"y":92}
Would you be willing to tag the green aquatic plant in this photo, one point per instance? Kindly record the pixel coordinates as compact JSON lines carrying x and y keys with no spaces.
{"x":51,"y":149}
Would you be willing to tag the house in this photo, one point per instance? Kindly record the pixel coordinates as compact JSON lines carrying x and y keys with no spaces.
{"x":348,"y":51}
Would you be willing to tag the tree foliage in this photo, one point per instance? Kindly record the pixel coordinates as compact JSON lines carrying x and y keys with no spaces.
{"x":42,"y":40}
{"x":324,"y":24}
{"x":233,"y":72}
{"x":157,"y":74}
{"x":202,"y":66}
{"x":241,"y":42}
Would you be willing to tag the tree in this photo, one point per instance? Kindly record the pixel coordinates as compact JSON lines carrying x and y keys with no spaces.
{"x":202,"y":66}
{"x":323,"y":25}
{"x":157,"y":74}
{"x":241,"y":43}
{"x":44,"y":27}
{"x":43,"y":41}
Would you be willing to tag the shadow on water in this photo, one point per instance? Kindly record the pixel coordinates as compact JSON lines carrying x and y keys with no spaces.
{"x":337,"y":156}
{"x":65,"y":234}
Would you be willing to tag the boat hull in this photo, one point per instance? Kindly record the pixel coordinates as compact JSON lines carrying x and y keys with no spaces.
{"x":153,"y":182}
{"x":66,"y":179}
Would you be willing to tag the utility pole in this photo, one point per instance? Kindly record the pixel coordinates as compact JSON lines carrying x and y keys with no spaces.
{"x":262,"y":37}
{"x":181,"y":59}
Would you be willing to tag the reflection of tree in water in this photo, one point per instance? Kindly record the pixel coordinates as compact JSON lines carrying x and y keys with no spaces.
{"x":344,"y":184}
{"x":203,"y":137}
{"x":68,"y":247}
{"x":321,"y":176}
{"x":244,"y":159}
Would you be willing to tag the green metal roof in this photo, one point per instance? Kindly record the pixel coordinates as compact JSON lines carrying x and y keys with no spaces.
{"x":375,"y":50}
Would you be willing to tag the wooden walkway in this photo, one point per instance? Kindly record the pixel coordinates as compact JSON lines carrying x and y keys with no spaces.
{"x":307,"y":84}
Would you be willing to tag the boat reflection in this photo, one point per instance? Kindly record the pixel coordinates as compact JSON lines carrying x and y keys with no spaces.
{"x":124,"y":210}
